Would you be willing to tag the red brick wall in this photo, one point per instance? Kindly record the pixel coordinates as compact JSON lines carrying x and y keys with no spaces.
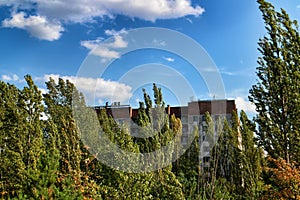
{"x":213,"y":107}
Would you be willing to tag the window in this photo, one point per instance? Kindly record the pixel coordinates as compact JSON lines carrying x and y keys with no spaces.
{"x":206,"y":159}
{"x":184,"y":129}
{"x":206,"y":149}
{"x":184,"y":120}
{"x":183,"y":140}
{"x":216,"y":127}
{"x":205,"y":128}
{"x":195,"y":118}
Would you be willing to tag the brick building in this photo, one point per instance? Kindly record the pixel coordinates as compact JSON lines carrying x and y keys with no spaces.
{"x":192,"y":115}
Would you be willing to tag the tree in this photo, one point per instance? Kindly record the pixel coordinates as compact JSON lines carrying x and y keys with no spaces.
{"x":155,"y":121}
{"x":28,"y":154}
{"x":12,"y":168}
{"x":187,"y":168}
{"x":225,"y":162}
{"x":277,"y":92}
{"x":251,"y":159}
{"x":58,"y":102}
{"x":21,"y":139}
{"x":284,"y":180}
{"x":72,"y":155}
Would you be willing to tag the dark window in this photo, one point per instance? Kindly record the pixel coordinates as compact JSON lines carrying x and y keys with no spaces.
{"x":206,"y":159}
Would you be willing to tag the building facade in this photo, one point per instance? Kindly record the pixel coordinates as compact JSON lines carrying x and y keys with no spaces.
{"x":192,"y":116}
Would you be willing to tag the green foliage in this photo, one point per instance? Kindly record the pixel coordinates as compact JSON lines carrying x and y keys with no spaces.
{"x":225,"y":169}
{"x":47,"y":159}
{"x":11,"y":146}
{"x":58,"y":107}
{"x":235,"y":165}
{"x":40,"y":159}
{"x":187,"y":168}
{"x":220,"y":189}
{"x":21,"y":138}
{"x":252,"y":159}
{"x":155,"y":121}
{"x":276,"y":95}
{"x":277,"y":99}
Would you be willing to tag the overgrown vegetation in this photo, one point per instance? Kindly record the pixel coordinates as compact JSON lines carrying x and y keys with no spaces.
{"x":46,"y":159}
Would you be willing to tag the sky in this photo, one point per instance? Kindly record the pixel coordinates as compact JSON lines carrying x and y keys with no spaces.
{"x":92,"y":43}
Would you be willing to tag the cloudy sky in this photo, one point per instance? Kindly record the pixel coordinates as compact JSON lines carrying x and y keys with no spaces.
{"x":62,"y":38}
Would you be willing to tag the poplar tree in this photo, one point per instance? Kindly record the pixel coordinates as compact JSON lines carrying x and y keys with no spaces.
{"x":22,"y":146}
{"x":251,"y":159}
{"x":12,"y":168}
{"x":72,"y":181}
{"x":224,"y":159}
{"x":155,"y":121}
{"x":32,"y":137}
{"x":187,"y":168}
{"x":58,"y":102}
{"x":277,"y":92}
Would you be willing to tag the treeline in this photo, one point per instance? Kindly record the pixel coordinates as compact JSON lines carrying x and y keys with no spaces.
{"x":46,"y":158}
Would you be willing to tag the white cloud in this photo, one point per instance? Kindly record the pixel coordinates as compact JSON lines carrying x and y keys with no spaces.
{"x":154,"y":9}
{"x":37,"y":26}
{"x":98,"y":50}
{"x":104,"y":50}
{"x":82,"y":11}
{"x":169,"y":59}
{"x":242,"y":104}
{"x":12,"y":77}
{"x":43,"y":90}
{"x":119,"y":42}
{"x":96,"y":90}
{"x":86,"y":10}
{"x":114,"y":32}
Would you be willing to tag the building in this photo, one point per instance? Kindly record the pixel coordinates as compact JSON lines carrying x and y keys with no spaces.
{"x":192,"y":115}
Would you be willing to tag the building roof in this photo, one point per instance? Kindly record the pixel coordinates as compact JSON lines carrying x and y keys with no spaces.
{"x":193,"y":108}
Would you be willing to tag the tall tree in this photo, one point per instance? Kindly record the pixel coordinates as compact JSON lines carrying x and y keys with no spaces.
{"x":58,"y":102}
{"x":71,"y":153}
{"x":155,"y":121}
{"x":187,"y":168}
{"x":25,"y":171}
{"x":277,"y":92}
{"x":32,"y":136}
{"x":251,"y":159}
{"x":225,"y":156}
{"x":12,"y":168}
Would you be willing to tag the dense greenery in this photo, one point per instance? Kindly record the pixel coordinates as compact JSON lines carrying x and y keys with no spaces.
{"x":277,"y":93}
{"x":45,"y":158}
{"x":44,"y":155}
{"x":277,"y":99}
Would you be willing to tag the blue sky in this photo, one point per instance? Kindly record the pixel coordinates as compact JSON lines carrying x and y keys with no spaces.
{"x":56,"y":38}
